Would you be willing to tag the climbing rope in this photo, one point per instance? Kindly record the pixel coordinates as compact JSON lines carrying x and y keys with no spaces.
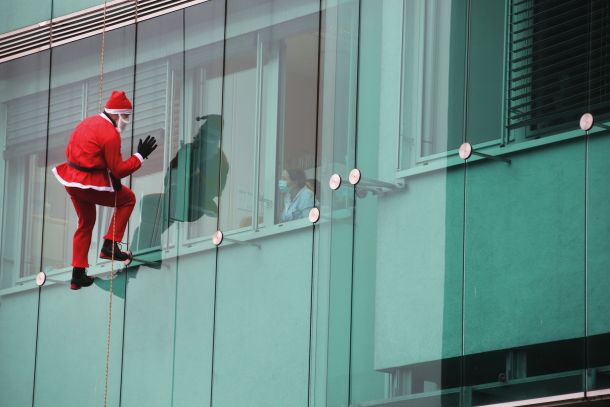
{"x":101,"y":92}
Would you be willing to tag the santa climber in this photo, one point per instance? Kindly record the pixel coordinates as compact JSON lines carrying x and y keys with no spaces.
{"x":92,"y":177}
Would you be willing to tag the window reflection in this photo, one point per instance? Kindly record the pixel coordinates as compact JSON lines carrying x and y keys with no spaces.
{"x":23,"y":134}
{"x":209,"y":171}
{"x":193,"y":180}
{"x":270,"y":102}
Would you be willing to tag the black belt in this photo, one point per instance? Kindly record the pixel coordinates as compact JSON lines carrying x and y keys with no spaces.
{"x":85,"y":169}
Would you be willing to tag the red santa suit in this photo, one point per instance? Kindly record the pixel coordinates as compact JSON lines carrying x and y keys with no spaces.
{"x":93,"y":154}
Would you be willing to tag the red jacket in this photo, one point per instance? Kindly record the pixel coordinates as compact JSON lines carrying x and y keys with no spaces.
{"x":95,"y":144}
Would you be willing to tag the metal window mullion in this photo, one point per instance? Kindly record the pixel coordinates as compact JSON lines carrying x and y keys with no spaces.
{"x":275,"y":70}
{"x":257,"y":129}
{"x":169,"y":98}
{"x":18,"y":178}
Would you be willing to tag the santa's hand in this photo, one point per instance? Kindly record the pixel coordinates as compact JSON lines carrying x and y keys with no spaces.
{"x":147,"y":146}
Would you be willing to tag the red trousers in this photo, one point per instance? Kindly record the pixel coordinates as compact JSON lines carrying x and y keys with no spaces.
{"x":84,"y":201}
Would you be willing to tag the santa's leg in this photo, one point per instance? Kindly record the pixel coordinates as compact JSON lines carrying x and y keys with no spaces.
{"x":82,"y":239}
{"x":125,"y":202}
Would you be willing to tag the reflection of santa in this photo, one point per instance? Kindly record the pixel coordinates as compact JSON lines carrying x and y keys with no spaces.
{"x":92,"y":176}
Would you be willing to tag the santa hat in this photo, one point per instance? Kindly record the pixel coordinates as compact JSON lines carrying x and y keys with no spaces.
{"x":118,"y":103}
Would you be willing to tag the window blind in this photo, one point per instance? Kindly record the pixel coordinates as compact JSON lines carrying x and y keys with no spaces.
{"x":559,"y":66}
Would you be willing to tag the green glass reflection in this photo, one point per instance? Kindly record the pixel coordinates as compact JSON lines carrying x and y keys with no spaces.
{"x":158,"y":97}
{"x":24,"y":94}
{"x":334,"y":234}
{"x":200,"y":174}
{"x":524,"y":273}
{"x":555,"y":67}
{"x":486,"y":62}
{"x":598,"y":258}
{"x":406,"y":332}
{"x":264,"y":267}
{"x":150,"y":329}
{"x":72,"y":331}
{"x":424,"y":49}
{"x":24,"y":105}
{"x":18,"y":318}
{"x":194,"y":330}
{"x":15,"y":15}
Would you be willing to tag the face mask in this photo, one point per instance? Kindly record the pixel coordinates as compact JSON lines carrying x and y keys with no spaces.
{"x":282,"y":185}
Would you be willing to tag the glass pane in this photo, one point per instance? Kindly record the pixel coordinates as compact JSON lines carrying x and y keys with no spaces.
{"x":334,"y":232}
{"x":18,"y":314}
{"x":148,"y":341}
{"x":17,"y":14}
{"x":598,"y":223}
{"x":204,"y":171}
{"x":23,"y":121}
{"x":150,"y":320}
{"x":598,"y":258}
{"x":264,"y":278}
{"x":200,"y":183}
{"x":158,"y":104}
{"x":485,"y":115}
{"x":554,"y":52}
{"x":433,"y":76}
{"x":524,"y":303}
{"x":73,"y":331}
{"x":23,"y":130}
{"x":406,"y":334}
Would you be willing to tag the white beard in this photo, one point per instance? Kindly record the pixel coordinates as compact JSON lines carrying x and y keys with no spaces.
{"x":121,"y":125}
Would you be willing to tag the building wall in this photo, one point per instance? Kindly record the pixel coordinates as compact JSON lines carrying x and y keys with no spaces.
{"x":434,"y":281}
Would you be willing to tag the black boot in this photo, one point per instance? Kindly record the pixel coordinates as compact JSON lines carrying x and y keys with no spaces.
{"x":119,"y":255}
{"x":80,"y":279}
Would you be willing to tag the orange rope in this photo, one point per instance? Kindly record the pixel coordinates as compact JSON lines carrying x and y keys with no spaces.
{"x":101,"y":91}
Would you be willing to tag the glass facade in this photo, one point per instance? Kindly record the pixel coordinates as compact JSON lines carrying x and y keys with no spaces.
{"x":428,"y":279}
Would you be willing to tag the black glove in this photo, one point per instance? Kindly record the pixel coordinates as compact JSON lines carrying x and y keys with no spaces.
{"x":147,"y":146}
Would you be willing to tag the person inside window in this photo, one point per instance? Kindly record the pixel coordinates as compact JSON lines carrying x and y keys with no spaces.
{"x":298,"y":199}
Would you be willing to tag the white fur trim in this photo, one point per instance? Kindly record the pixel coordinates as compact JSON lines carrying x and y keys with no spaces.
{"x":78,"y":185}
{"x":118,"y":111}
{"x":139,"y":157}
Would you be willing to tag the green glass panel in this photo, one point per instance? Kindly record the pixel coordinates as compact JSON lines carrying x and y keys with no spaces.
{"x":158,"y":104}
{"x":524,"y":272}
{"x":18,"y":318}
{"x":598,"y":258}
{"x":197,"y":176}
{"x":333,"y":255}
{"x":597,"y":218}
{"x":194,"y":330}
{"x":73,"y":332}
{"x":18,"y":14}
{"x":557,"y":65}
{"x":329,"y":384}
{"x":264,"y":269}
{"x":24,"y":94}
{"x":148,"y":342}
{"x":24,"y":106}
{"x":406,"y":333}
{"x":424,"y":47}
{"x":485,"y":86}
{"x":150,"y":318}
